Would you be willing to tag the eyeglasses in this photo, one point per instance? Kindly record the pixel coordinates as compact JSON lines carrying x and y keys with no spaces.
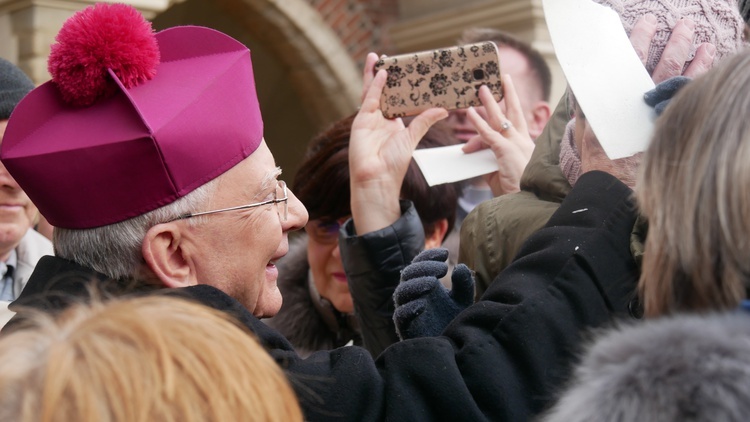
{"x":280,"y":198}
{"x":325,"y":232}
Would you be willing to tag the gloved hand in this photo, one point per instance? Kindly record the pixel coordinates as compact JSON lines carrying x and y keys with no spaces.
{"x":423,"y":306}
{"x":659,"y":97}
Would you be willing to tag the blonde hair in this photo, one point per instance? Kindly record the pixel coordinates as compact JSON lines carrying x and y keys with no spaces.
{"x":143,"y":359}
{"x":694,"y":189}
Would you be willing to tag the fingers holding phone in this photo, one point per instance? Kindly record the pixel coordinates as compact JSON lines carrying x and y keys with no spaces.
{"x":447,"y":78}
{"x":506,"y":134}
{"x":513,"y":110}
{"x":499,"y":126}
{"x":380,"y":150}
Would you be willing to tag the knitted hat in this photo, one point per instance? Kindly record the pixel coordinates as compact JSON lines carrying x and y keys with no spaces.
{"x":14,"y":85}
{"x":716,"y":21}
{"x":131,"y":121}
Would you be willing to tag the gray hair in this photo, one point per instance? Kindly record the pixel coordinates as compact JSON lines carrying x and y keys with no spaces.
{"x":115,"y":249}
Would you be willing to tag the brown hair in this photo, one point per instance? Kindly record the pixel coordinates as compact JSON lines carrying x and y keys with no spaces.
{"x":539,"y":68}
{"x":322,"y":182}
{"x":694,"y":188}
{"x":149,"y":358}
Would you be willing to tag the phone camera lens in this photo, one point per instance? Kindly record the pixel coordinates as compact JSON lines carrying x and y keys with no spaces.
{"x":478,"y":74}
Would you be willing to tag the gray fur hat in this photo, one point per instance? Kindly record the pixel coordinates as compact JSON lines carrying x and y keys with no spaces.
{"x":14,"y":85}
{"x":684,"y":368}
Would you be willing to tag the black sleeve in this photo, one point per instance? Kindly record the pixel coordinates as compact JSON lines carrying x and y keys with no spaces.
{"x":504,"y":357}
{"x":373,"y":265}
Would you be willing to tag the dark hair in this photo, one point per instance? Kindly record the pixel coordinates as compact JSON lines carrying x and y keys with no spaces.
{"x":322,"y":181}
{"x":537,"y":64}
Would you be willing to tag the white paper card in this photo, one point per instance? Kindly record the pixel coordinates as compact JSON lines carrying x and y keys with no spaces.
{"x":450,"y":164}
{"x":605,"y":73}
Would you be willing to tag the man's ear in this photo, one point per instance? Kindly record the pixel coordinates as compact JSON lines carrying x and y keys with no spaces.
{"x":435,"y":239}
{"x":540,"y":115}
{"x":166,"y":256}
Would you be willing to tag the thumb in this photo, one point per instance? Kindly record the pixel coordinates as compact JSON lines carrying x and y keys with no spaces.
{"x":463,"y":285}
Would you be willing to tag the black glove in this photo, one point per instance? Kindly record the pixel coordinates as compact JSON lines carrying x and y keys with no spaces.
{"x":423,"y":306}
{"x":659,"y":97}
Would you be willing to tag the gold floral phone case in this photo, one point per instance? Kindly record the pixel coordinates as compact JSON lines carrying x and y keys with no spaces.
{"x":447,"y":77}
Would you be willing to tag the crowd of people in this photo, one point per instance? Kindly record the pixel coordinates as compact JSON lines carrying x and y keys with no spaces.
{"x":563,"y":286}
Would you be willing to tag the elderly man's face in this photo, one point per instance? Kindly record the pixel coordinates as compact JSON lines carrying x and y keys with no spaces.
{"x":236,"y":251}
{"x":17,"y":213}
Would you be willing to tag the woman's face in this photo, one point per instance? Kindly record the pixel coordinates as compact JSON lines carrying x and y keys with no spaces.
{"x":325,"y":263}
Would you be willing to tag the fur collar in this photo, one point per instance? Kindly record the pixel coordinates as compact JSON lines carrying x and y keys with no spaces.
{"x":694,"y":368}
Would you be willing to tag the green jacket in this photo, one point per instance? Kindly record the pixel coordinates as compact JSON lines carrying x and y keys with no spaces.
{"x":493,"y":232}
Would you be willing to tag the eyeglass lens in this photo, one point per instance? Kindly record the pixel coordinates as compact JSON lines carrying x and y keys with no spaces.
{"x":324,"y":232}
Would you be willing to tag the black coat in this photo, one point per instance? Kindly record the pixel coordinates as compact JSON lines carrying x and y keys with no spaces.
{"x":501,"y":359}
{"x":373,"y":264}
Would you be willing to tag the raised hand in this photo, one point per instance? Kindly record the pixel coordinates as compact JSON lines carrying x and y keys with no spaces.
{"x":380,"y":150}
{"x":507,"y":136}
{"x":676,"y":52}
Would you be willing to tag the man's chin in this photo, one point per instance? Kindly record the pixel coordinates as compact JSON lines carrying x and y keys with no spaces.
{"x":269,"y":308}
{"x":11,"y":233}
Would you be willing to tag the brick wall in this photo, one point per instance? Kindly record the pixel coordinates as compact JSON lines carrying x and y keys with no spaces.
{"x":361,"y":25}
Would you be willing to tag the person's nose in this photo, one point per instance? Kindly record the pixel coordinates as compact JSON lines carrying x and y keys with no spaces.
{"x":336,"y":253}
{"x":459,"y":115}
{"x":296,"y":214}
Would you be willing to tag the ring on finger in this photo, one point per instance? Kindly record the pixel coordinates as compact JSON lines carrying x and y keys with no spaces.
{"x":505,"y":126}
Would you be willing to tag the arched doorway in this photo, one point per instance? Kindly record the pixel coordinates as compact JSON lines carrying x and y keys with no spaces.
{"x":304,"y":77}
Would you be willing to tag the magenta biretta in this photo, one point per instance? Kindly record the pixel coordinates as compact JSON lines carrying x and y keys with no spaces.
{"x":146,"y":132}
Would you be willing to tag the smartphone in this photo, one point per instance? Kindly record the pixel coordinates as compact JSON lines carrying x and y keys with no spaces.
{"x":448,"y":77}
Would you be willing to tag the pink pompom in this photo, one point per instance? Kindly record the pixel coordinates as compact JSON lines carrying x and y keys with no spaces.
{"x":100,"y":37}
